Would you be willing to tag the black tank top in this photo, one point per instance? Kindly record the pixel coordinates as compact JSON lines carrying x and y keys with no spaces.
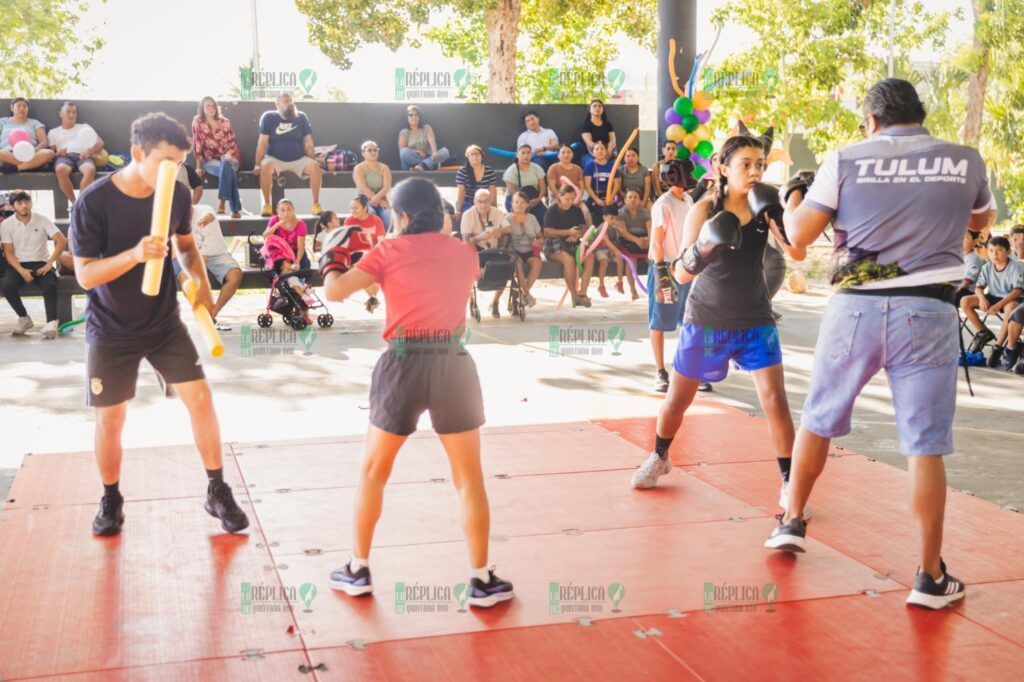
{"x":731,"y":293}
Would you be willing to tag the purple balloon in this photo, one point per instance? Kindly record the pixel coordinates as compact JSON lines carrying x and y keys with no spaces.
{"x":706,"y":163}
{"x":696,"y":158}
{"x":672,"y":118}
{"x":703,"y":115}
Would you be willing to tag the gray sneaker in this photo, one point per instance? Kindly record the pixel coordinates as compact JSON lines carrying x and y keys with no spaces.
{"x":647,"y":475}
{"x":23,"y":325}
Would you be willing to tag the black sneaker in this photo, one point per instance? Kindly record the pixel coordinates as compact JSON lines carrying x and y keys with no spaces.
{"x":220,"y":504}
{"x":355,"y":584}
{"x":1019,"y":369}
{"x":1011,"y":356}
{"x":661,"y":382}
{"x":981,"y":339}
{"x":936,"y":595}
{"x":486,"y":595}
{"x":705,"y":387}
{"x":995,"y":356}
{"x":371,"y":304}
{"x":495,"y":311}
{"x":788,"y":536}
{"x":110,"y":517}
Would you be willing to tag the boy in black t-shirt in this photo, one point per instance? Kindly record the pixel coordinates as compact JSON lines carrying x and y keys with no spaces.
{"x":110,"y":240}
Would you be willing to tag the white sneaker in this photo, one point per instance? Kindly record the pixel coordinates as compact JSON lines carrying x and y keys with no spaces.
{"x":784,"y":501}
{"x":222,"y":326}
{"x":24,"y":325}
{"x":647,"y":475}
{"x":50,"y":329}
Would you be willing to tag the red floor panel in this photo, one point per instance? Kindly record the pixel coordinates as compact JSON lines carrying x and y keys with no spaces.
{"x":855,"y":498}
{"x":607,"y":650}
{"x":146,"y":474}
{"x":255,"y":667}
{"x":659,"y":568}
{"x":999,"y":607}
{"x":167,"y":589}
{"x":304,"y":466}
{"x":418,"y":513}
{"x":849,"y":638}
{"x":700,"y":437}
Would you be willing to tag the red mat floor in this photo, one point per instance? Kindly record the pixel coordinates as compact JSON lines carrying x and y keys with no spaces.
{"x":669,"y":584}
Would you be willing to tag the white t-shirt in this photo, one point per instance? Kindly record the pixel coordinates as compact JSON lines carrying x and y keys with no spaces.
{"x":536,"y":139}
{"x":209,"y":239}
{"x":67,"y":138}
{"x":474,"y":224}
{"x":29,"y":240}
{"x":678,"y":209}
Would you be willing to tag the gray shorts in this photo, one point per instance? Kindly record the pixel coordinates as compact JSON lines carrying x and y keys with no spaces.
{"x":412,"y":378}
{"x":914,"y":340}
{"x":299,"y":166}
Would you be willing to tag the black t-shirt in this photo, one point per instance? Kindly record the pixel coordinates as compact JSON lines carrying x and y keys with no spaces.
{"x":105,"y":221}
{"x":601,"y":133}
{"x":731,"y":293}
{"x":558,"y":219}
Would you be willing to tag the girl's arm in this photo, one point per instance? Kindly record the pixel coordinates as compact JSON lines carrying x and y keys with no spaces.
{"x":339,"y":286}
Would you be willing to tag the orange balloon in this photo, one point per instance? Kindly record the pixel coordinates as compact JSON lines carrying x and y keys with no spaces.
{"x":702,"y":132}
{"x":691,"y":141}
{"x":701,"y":100}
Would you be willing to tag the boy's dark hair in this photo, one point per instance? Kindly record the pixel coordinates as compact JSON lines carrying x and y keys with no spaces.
{"x":529,"y":113}
{"x":1000,"y":241}
{"x":894,"y":101}
{"x":419,"y":199}
{"x":150,"y":130}
{"x":18,"y":195}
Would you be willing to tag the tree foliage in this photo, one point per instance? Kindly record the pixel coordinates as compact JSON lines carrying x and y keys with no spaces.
{"x":43,"y":46}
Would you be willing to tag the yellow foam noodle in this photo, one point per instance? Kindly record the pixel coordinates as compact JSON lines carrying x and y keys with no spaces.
{"x":167,"y":175}
{"x":211,"y":339}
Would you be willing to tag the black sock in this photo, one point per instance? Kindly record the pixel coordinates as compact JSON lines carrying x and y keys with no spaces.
{"x":784,"y":464}
{"x":112,"y":489}
{"x":661,"y":446}
{"x":215,"y":475}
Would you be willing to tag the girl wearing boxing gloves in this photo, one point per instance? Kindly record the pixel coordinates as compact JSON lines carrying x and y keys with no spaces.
{"x":425,"y":368}
{"x":728,"y":314}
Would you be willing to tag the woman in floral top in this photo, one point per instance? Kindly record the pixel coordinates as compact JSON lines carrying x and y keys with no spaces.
{"x":217,"y":153}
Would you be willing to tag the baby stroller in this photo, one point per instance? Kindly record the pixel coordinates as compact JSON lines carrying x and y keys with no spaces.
{"x":282,"y":298}
{"x":499,"y":271}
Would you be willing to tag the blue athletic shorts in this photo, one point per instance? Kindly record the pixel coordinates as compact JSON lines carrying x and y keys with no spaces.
{"x":704,"y":353}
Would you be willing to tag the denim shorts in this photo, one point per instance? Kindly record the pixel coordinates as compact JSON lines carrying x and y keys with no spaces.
{"x":217,"y":266}
{"x":704,"y":353}
{"x":914,"y":340}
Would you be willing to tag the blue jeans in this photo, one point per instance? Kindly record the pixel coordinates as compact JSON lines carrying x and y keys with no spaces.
{"x":383,"y":213}
{"x":410,"y":158}
{"x":227,"y":181}
{"x":915,"y":340}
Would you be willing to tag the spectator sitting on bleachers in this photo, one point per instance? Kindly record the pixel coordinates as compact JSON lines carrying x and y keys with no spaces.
{"x":286,"y":144}
{"x":373,"y":180}
{"x":597,"y":128}
{"x":975,"y":255}
{"x":596,"y":178}
{"x":220,"y":264}
{"x":189,"y":177}
{"x":474,"y":175}
{"x":997,"y":289}
{"x":72,"y":154}
{"x":538,"y":139}
{"x":668,"y":152}
{"x":632,"y":175}
{"x":526,"y":239}
{"x":564,"y":168}
{"x":417,"y":145}
{"x":1014,"y":329}
{"x":564,"y":226}
{"x":19,"y":120}
{"x":294,"y":231}
{"x":217,"y":153}
{"x":373,"y":228}
{"x":1017,"y":243}
{"x":634,"y":228}
{"x":529,"y":178}
{"x":24,"y":237}
{"x":481,"y":227}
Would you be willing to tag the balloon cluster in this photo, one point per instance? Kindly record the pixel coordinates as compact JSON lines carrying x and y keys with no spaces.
{"x":687,"y":126}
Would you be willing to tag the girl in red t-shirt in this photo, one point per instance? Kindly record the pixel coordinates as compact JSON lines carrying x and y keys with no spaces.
{"x":426,"y":277}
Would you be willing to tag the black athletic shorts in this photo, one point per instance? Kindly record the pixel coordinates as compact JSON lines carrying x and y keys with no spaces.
{"x":112,"y":372}
{"x":412,"y":378}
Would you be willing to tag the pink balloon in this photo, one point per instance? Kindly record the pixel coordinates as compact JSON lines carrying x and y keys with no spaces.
{"x":703,"y":115}
{"x":706,"y":163}
{"x":18,"y":135}
{"x":672,"y":118}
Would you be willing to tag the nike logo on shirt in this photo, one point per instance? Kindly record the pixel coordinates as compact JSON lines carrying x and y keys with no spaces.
{"x":284,"y":128}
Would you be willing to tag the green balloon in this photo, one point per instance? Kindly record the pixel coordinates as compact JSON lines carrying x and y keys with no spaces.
{"x":683,"y":106}
{"x":699,"y":171}
{"x":704,"y":148}
{"x":690,"y":123}
{"x":682,"y":152}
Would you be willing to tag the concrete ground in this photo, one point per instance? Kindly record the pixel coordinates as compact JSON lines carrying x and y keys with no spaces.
{"x":296,"y":386}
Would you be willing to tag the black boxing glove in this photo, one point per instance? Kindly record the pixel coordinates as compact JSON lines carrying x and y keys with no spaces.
{"x":718,"y":235}
{"x":801,"y":182}
{"x":763,"y":200}
{"x":665,"y":283}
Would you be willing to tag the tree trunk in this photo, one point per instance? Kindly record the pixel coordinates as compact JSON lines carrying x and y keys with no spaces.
{"x":976,"y":85}
{"x":502,"y":29}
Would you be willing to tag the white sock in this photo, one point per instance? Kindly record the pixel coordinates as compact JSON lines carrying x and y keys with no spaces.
{"x":481,"y":573}
{"x":355,"y":563}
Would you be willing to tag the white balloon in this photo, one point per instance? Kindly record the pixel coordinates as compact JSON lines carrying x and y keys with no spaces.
{"x":24,"y":151}
{"x":87,"y":137}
